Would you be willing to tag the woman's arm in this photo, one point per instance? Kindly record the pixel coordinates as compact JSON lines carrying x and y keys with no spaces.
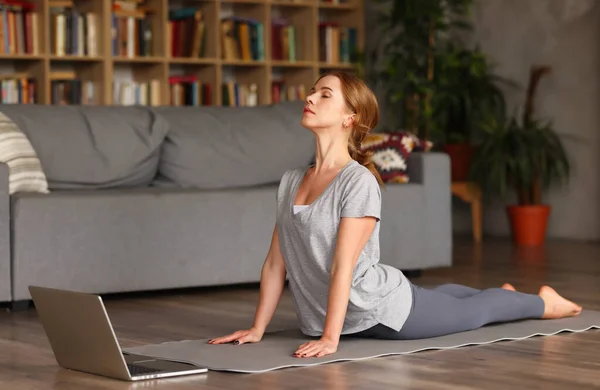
{"x":272,"y":282}
{"x":271,"y":287}
{"x":353,"y":234}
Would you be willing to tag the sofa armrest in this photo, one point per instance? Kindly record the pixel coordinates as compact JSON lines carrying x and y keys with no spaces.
{"x":5,"y":260}
{"x":429,"y":168}
{"x":432,"y":170}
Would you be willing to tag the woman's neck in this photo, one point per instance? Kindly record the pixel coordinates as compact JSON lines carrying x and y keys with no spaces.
{"x":331,"y":153}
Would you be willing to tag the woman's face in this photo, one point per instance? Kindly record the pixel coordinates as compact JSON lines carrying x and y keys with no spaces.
{"x":325,"y":106}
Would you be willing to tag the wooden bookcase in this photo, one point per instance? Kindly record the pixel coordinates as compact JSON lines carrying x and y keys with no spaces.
{"x":111,"y":71}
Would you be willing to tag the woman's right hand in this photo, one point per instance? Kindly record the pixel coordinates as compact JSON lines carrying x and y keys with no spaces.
{"x":251,"y":335}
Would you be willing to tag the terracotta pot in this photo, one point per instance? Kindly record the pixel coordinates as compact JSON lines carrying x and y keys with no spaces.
{"x":528,"y":224}
{"x":461,"y":156}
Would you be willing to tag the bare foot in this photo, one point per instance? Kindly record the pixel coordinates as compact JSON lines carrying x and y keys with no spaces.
{"x":508,"y":286}
{"x":557,"y":306}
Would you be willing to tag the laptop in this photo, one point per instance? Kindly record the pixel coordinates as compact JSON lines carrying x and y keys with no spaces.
{"x":82,"y":339}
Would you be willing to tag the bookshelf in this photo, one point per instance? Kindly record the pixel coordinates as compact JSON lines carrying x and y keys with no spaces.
{"x":172,"y":52}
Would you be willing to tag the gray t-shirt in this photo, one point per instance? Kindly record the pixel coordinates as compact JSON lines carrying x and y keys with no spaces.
{"x":379,"y":293}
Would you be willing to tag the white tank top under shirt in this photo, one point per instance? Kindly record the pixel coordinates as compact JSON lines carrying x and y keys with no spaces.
{"x":307,"y":237}
{"x":299,"y":207}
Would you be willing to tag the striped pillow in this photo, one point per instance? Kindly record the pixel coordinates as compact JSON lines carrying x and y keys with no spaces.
{"x":24,"y":167}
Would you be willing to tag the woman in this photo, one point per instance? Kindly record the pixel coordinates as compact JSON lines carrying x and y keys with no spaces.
{"x":326,"y":238}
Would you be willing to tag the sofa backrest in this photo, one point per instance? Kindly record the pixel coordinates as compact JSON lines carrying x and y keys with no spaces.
{"x":86,"y":147}
{"x":93,"y":147}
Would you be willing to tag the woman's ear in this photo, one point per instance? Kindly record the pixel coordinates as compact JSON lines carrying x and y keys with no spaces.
{"x":349,"y":122}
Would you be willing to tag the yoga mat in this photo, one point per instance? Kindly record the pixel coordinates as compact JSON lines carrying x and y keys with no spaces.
{"x":276,"y":348}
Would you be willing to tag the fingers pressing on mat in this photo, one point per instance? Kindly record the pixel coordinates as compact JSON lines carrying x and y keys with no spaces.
{"x":316,"y":348}
{"x":251,"y":335}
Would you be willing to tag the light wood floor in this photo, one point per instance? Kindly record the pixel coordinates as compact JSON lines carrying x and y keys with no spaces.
{"x":561,"y":361}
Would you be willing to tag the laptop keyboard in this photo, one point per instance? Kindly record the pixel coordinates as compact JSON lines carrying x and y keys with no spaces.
{"x":141,"y":370}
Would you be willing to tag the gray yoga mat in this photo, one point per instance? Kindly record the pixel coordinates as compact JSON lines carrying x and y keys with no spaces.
{"x":276,"y":348}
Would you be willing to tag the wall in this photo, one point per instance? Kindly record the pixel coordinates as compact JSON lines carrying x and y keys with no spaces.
{"x":563,"y":34}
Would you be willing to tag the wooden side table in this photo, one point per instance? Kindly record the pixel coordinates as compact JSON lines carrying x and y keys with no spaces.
{"x":470,"y":193}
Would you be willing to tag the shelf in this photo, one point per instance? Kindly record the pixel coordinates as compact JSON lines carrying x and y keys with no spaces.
{"x":293,"y":4}
{"x":292,"y":64}
{"x":148,"y":60}
{"x":242,"y":63}
{"x":338,"y":7}
{"x":21,"y":57}
{"x":193,"y":61}
{"x":169,"y":49}
{"x":75,"y":58}
{"x":328,"y":65}
{"x":258,"y":2}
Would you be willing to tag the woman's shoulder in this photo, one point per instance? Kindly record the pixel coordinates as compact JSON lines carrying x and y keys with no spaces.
{"x":292,"y":173}
{"x":358,"y":174}
{"x":358,"y":180}
{"x":289,"y":177}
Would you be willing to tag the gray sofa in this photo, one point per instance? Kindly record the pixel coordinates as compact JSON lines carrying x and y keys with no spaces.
{"x":170,"y":197}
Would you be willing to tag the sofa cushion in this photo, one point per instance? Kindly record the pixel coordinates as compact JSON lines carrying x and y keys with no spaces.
{"x":391,"y":153}
{"x":25,"y":173}
{"x":222,"y":147}
{"x":86,"y":147}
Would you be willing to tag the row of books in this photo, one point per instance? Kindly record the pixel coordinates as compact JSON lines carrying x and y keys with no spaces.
{"x":139,"y":93}
{"x":242,"y":39}
{"x":73,"y":32}
{"x":19,"y":29}
{"x":185,"y":90}
{"x":76,"y":33}
{"x":283,"y":40}
{"x":73,"y":91}
{"x":186,"y":31}
{"x":188,"y":90}
{"x":338,"y":44}
{"x":18,"y":90}
{"x":239,"y":94}
{"x":131,"y":29}
{"x":282,"y":92}
{"x":131,"y":36}
{"x":23,"y":90}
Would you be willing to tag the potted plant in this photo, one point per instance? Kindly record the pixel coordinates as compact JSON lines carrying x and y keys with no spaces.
{"x":436,"y":87}
{"x":527,"y":157}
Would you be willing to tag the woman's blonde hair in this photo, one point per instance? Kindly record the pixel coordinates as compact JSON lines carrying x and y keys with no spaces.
{"x":361,"y":101}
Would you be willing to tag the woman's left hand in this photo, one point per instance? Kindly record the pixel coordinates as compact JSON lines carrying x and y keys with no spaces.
{"x":316,"y":348}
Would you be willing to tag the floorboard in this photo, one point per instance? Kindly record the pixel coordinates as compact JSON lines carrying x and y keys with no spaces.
{"x":561,"y":361}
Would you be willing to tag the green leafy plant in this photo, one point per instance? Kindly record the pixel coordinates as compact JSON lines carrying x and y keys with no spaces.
{"x":415,"y":33}
{"x":468,"y":92}
{"x":525,"y":156}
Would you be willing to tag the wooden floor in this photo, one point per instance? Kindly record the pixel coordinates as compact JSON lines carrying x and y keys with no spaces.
{"x":561,"y":361}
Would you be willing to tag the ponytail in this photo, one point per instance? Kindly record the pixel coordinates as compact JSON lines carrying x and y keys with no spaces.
{"x":364,"y":158}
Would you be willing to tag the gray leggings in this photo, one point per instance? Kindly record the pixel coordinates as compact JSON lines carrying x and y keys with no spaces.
{"x":453,"y":308}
